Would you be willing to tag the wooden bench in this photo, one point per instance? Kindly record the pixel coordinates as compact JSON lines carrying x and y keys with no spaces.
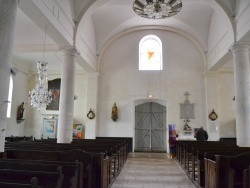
{"x":226,"y":171}
{"x":71,"y":171}
{"x":187,"y":149}
{"x":95,"y":167}
{"x":45,"y":179}
{"x":96,"y":172}
{"x":112,"y":157}
{"x":33,"y":184}
{"x":210,"y":154}
{"x":116,"y":151}
{"x":246,"y":177}
{"x":193,"y":152}
{"x":18,"y":138}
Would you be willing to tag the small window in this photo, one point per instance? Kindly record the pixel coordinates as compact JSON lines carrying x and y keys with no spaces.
{"x":10,"y":97}
{"x":150,"y":53}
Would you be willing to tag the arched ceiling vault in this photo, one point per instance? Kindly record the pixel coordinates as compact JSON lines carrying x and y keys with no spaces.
{"x":91,"y":25}
{"x":105,"y":20}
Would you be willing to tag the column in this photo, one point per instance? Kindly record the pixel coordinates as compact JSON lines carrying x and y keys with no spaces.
{"x":92,"y":95}
{"x":242,"y":94}
{"x":8,"y":11}
{"x":66,"y":104}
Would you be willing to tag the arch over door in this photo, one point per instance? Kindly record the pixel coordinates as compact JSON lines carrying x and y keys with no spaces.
{"x":150,"y":127}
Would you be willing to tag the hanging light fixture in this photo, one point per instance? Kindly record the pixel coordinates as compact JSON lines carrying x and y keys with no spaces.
{"x":157,"y":9}
{"x":40,"y":96}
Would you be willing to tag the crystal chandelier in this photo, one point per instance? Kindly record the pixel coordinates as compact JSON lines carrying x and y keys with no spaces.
{"x":157,"y":9}
{"x":40,"y":96}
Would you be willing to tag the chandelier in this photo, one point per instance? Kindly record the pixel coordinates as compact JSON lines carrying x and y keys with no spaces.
{"x":157,"y":9}
{"x":40,"y":96}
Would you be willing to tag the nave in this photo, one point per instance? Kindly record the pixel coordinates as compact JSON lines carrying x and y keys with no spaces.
{"x":152,"y":170}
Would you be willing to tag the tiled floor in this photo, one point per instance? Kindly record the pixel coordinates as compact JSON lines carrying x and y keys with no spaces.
{"x":152,"y":170}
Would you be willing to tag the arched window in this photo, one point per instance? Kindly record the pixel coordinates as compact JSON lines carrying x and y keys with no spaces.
{"x":10,"y":97}
{"x":150,"y":53}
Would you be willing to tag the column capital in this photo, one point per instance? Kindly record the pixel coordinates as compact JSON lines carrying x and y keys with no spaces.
{"x":69,"y":50}
{"x":240,"y":47}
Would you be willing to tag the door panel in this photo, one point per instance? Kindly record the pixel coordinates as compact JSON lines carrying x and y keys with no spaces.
{"x":150,"y":127}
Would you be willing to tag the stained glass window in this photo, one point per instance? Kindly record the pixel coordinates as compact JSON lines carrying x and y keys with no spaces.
{"x":150,"y":53}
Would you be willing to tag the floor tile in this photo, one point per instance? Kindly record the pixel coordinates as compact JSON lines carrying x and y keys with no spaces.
{"x":152,"y":170}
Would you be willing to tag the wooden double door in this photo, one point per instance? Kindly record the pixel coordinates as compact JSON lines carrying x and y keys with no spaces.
{"x":150,"y":127}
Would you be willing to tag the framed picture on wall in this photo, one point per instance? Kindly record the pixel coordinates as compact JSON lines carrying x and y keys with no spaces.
{"x":54,"y":86}
{"x":49,"y":128}
{"x":77,"y":130}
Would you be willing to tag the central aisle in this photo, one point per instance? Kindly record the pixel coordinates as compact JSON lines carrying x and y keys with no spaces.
{"x":152,"y":170}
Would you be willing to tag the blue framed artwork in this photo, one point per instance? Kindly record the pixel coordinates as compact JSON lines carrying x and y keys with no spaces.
{"x":49,"y":128}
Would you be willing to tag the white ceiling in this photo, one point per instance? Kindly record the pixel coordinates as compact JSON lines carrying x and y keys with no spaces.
{"x":110,"y":17}
{"x":118,"y":15}
{"x":29,"y":43}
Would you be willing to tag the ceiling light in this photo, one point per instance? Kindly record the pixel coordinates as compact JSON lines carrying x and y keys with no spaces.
{"x":157,"y":9}
{"x":40,"y":96}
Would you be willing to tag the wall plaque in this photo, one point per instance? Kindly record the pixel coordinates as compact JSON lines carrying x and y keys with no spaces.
{"x":187,"y":109}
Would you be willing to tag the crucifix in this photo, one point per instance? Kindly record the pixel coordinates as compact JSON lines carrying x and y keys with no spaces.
{"x":186,"y":95}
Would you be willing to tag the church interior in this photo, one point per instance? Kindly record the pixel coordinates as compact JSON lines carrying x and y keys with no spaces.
{"x":145,"y":73}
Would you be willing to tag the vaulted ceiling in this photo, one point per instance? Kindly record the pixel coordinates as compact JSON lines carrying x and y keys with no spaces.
{"x":112,"y":18}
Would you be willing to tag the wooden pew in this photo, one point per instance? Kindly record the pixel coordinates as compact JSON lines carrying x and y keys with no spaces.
{"x":65,"y":147}
{"x":93,"y":163}
{"x":114,"y":151}
{"x":45,"y":179}
{"x":33,"y":184}
{"x":210,"y":154}
{"x":71,"y":171}
{"x":18,"y":138}
{"x":110,"y":148}
{"x":228,"y":139}
{"x":210,"y":173}
{"x":116,"y":147}
{"x":246,"y":178}
{"x":188,"y":149}
{"x":226,"y":171}
{"x":192,"y":159}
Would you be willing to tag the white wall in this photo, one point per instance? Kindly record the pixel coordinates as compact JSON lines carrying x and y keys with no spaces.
{"x":220,"y":93}
{"x":123,"y":83}
{"x":19,"y":95}
{"x":242,"y":20}
{"x":216,"y":31}
{"x":68,"y":7}
{"x":227,"y":126}
{"x":89,"y":31}
{"x":32,"y":125}
{"x":241,"y":6}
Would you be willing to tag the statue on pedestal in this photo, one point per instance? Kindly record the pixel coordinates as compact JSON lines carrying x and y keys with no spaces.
{"x":20,"y":112}
{"x":114,"y":114}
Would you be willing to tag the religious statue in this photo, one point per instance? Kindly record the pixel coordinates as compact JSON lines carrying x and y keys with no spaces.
{"x":186,"y":126}
{"x":20,"y":111}
{"x":114,"y":114}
